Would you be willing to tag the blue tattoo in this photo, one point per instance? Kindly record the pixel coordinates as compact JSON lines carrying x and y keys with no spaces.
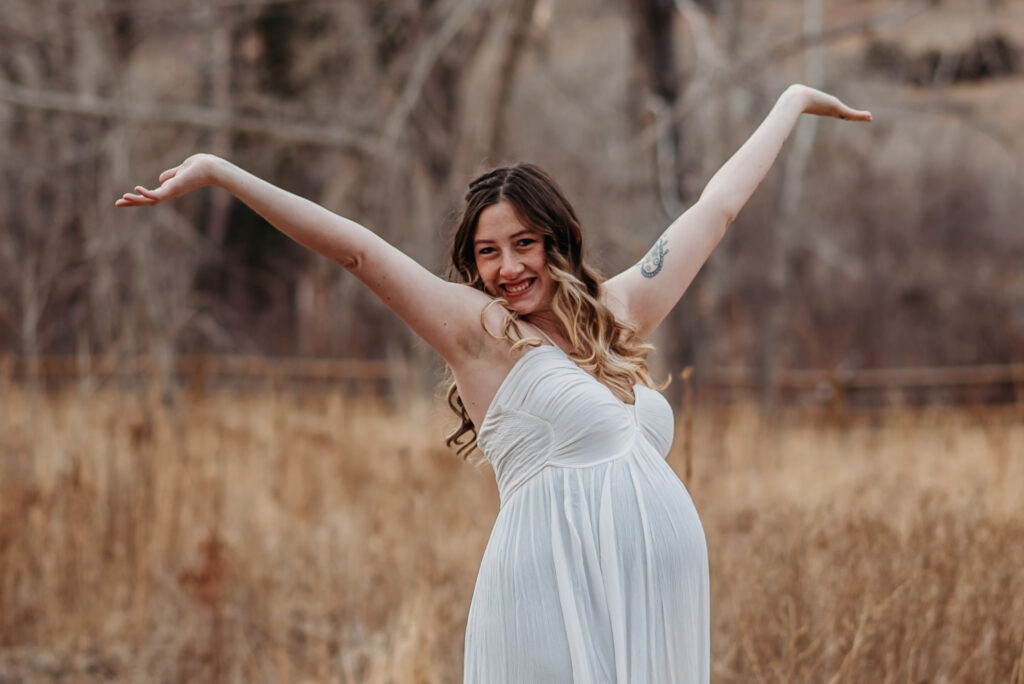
{"x":655,"y":259}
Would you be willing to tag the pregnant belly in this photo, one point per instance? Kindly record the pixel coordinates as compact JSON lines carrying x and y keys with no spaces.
{"x":629,"y":518}
{"x":593,"y":565}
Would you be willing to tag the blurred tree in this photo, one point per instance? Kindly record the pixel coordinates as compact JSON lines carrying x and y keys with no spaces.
{"x":658,"y":73}
{"x":383,"y":110}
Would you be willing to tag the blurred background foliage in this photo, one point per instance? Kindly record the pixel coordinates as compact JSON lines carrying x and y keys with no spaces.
{"x":894,"y":244}
{"x":265,"y":534}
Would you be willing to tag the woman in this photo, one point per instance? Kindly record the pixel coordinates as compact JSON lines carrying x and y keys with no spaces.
{"x":596,"y":570}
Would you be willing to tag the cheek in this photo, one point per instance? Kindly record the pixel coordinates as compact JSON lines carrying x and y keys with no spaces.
{"x":549,"y":281}
{"x":540,"y":266}
{"x":486,"y":274}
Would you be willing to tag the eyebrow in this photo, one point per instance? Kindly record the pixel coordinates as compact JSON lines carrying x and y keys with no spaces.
{"x":513,"y":237}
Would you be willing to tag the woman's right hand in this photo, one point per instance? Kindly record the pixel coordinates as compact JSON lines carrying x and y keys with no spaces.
{"x":822,"y":104}
{"x":195,"y":172}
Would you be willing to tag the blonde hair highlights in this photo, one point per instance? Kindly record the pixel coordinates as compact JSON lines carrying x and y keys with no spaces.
{"x":601,"y":345}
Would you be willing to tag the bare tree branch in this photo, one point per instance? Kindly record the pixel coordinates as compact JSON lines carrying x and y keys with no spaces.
{"x":708,"y":54}
{"x":424,"y":64}
{"x":794,"y":45}
{"x":195,"y":116}
{"x":522,"y":15}
{"x":748,"y":70}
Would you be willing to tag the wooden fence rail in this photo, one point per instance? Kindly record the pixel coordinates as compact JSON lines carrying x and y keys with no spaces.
{"x":835,"y":382}
{"x":198,"y":365}
{"x":840,"y":387}
{"x":873,"y":378}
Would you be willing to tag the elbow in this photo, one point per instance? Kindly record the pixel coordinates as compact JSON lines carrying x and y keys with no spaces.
{"x":720,"y":212}
{"x":350,"y":261}
{"x":725,"y":220}
{"x":721,"y":228}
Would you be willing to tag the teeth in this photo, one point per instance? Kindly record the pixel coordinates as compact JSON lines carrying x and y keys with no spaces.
{"x":518,"y":288}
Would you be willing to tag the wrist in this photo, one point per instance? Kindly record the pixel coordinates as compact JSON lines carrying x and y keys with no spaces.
{"x":216,"y":170}
{"x":797,"y":95}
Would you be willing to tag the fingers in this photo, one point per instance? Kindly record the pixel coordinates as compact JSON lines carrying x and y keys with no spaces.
{"x":130,"y":199}
{"x":140,"y":198}
{"x":143,"y":197}
{"x":855,"y":114}
{"x":824,"y":104}
{"x":844,"y":111}
{"x":146,"y":198}
{"x":169,"y":173}
{"x":149,"y":194}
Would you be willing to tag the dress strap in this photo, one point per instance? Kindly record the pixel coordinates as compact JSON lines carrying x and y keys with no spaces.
{"x":545,"y":336}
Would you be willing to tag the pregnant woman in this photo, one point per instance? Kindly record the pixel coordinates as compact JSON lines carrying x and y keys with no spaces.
{"x":596,"y":570}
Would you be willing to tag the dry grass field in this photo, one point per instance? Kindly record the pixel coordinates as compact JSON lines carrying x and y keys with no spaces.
{"x":273,"y":536}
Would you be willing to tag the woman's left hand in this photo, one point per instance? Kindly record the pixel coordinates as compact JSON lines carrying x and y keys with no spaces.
{"x":822,"y":104}
{"x":195,"y":172}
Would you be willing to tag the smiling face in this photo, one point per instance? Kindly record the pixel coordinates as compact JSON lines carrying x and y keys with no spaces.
{"x":511,"y":260}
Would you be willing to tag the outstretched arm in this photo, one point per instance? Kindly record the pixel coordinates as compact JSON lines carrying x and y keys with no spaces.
{"x":646,"y":293}
{"x":444,"y":314}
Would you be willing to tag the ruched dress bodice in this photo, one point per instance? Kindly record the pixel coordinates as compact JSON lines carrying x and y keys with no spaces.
{"x":549,"y":412}
{"x":596,"y":570}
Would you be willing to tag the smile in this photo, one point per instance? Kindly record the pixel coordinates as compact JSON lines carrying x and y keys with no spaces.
{"x":518,"y":288}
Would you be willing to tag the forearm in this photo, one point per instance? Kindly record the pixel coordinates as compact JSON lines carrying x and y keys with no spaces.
{"x":306,"y":222}
{"x":730,"y":188}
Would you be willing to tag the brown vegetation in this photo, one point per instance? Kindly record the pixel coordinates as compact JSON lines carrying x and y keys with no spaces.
{"x":282,"y":536}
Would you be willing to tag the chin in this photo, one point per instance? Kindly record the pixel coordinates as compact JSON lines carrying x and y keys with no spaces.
{"x":529,"y":308}
{"x":521,"y":309}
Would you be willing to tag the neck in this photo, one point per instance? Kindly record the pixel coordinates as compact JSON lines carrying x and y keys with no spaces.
{"x":548,"y":323}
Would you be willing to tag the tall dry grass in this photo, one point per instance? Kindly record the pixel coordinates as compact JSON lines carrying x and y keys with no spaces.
{"x":277,"y":536}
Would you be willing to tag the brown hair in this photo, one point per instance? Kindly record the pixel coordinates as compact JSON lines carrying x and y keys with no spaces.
{"x":601,"y":345}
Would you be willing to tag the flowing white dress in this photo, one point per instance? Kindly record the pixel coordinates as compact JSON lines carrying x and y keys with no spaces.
{"x":596,"y":570}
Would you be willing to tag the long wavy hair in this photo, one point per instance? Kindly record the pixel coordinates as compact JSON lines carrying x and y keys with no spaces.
{"x":605,"y":347}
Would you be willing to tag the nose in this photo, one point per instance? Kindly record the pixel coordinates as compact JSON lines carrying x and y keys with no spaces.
{"x":511,"y":266}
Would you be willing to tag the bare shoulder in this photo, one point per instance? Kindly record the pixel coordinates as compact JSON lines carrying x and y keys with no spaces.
{"x":480,"y":318}
{"x":491,"y":327}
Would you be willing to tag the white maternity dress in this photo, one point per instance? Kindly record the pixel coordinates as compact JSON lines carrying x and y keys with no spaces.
{"x":596,"y":570}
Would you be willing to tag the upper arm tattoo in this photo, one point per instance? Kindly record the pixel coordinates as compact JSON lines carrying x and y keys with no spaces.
{"x":651,"y":264}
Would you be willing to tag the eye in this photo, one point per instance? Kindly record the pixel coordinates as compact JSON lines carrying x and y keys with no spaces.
{"x":526,"y":242}
{"x":484,"y":251}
